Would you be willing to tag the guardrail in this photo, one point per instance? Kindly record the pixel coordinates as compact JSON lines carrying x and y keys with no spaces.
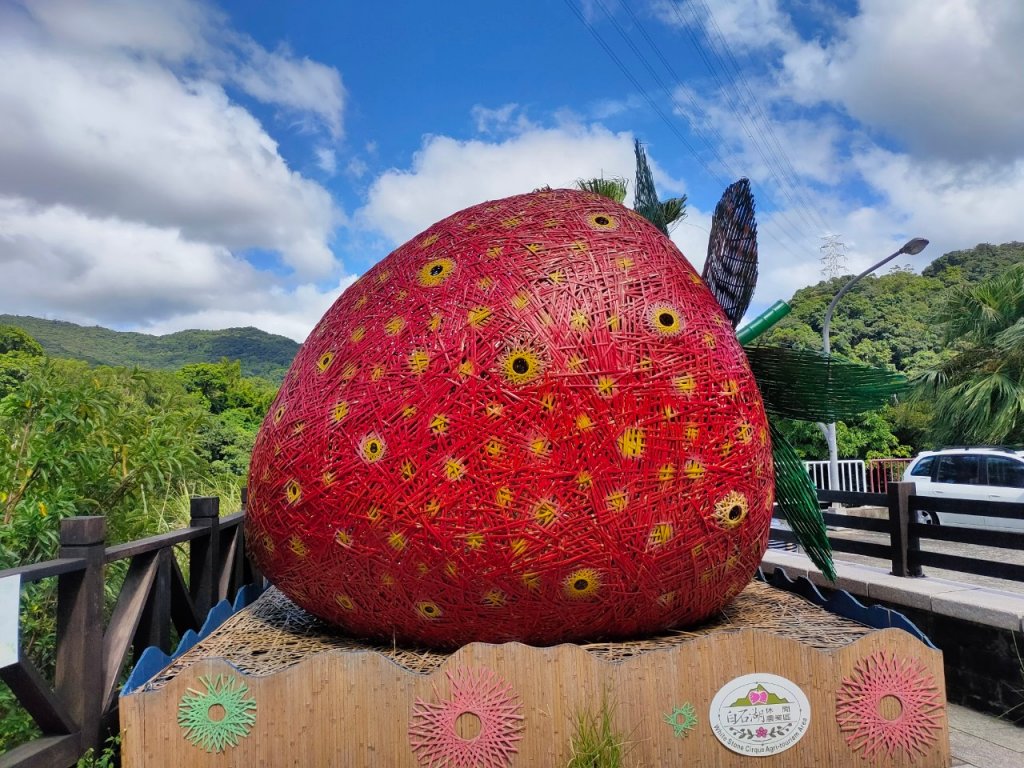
{"x":906,"y":533}
{"x":154,"y":599}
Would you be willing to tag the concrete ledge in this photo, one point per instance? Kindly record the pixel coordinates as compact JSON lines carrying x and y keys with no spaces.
{"x":989,"y":607}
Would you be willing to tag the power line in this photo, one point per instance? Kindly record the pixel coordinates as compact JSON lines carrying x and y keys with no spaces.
{"x":672,"y":126}
{"x":789,"y":173}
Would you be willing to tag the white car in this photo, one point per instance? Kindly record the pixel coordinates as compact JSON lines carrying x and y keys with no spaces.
{"x":981,"y":474}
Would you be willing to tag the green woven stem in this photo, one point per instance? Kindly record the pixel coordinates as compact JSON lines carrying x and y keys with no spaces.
{"x":811,"y":386}
{"x":763,"y":322}
{"x":797,"y":497}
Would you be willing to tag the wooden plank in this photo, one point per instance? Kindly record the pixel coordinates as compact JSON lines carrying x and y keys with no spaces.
{"x":152,"y":543}
{"x":967,"y":507}
{"x":79,"y":674}
{"x":993,"y":568}
{"x":870,"y":549}
{"x":203,"y":556}
{"x":987,"y":538}
{"x":124,"y":621}
{"x":879,"y":525}
{"x":154,"y":627}
{"x":47,"y":752}
{"x":854,"y":498}
{"x":33,"y":692}
{"x":40,"y":571}
{"x":227,"y":565}
{"x":354,"y":708}
{"x":183,"y":610}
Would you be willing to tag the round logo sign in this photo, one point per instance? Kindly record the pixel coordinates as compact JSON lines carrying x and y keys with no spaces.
{"x":760,"y":714}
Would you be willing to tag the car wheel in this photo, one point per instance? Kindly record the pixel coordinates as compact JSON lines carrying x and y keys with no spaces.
{"x":927,"y":517}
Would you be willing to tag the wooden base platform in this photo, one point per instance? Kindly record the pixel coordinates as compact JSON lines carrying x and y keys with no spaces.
{"x":275,"y":687}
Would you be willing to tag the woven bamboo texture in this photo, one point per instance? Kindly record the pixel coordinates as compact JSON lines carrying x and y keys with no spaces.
{"x":531,"y":422}
{"x":319,"y":699}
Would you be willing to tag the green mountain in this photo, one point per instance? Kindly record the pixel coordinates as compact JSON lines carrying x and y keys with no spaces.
{"x":261,"y":354}
{"x":887,"y":319}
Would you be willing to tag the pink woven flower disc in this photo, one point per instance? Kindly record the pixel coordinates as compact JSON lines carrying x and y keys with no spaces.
{"x":531,"y":422}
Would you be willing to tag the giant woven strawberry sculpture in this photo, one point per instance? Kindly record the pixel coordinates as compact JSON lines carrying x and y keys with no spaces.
{"x":531,"y":422}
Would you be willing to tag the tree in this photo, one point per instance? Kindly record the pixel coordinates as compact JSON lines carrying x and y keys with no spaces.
{"x":978,"y":393}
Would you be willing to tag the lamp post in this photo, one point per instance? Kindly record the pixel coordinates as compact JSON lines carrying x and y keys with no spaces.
{"x":912,"y":248}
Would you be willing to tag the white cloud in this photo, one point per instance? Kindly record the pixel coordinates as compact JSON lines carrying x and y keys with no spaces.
{"x":448,"y":175}
{"x":102,"y":270}
{"x":742,"y":24}
{"x":308,"y":87}
{"x":326,"y":160}
{"x":132,"y":185}
{"x":942,"y":76}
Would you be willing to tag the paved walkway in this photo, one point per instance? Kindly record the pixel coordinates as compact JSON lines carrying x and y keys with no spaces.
{"x":983,"y":741}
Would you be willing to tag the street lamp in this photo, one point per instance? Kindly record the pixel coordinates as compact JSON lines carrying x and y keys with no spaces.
{"x":912,"y":248}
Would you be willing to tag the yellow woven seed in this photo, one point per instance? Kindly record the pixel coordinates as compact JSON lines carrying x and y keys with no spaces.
{"x":439,"y":424}
{"x":617,"y":500}
{"x":474,"y":540}
{"x":478,"y":316}
{"x":394,"y":325}
{"x":418,"y":361}
{"x":397,"y":540}
{"x":494,"y":597}
{"x":518,"y":546}
{"x":660,"y":534}
{"x":432,"y":507}
{"x":667,"y":473}
{"x":693,"y":469}
{"x":605,"y":386}
{"x":503,"y":496}
{"x":584,"y":422}
{"x":454,"y":469}
{"x":579,"y":321}
{"x":520,"y":300}
{"x":345,"y":602}
{"x":545,"y":512}
{"x":631,"y":443}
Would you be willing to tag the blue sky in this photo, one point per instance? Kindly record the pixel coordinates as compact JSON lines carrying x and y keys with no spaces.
{"x":189,"y":163}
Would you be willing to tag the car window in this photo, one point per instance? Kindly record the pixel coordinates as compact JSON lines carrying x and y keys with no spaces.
{"x":1005,"y":472}
{"x":962,"y":470}
{"x":923,"y":468}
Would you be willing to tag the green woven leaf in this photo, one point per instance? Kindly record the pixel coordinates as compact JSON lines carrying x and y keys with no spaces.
{"x":646,"y":201}
{"x":796,"y":496}
{"x":811,"y":386}
{"x":730,"y":269}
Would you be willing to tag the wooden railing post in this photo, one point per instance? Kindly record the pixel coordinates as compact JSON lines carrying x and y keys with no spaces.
{"x":904,"y":545}
{"x":204,"y":555}
{"x":79,"y":673}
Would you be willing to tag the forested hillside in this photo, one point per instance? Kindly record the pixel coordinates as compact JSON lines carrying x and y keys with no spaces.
{"x":261,"y":354}
{"x":892,"y":320}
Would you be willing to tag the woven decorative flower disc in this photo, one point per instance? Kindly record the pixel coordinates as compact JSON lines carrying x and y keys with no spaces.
{"x":531,"y":422}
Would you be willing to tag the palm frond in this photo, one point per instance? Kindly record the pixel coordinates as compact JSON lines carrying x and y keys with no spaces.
{"x":614,"y":188}
{"x":730,"y":269}
{"x":812,"y":386}
{"x":797,"y":497}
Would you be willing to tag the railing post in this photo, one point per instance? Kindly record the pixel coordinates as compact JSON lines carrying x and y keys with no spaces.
{"x":904,"y":545}
{"x":204,"y":555}
{"x":79,"y":673}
